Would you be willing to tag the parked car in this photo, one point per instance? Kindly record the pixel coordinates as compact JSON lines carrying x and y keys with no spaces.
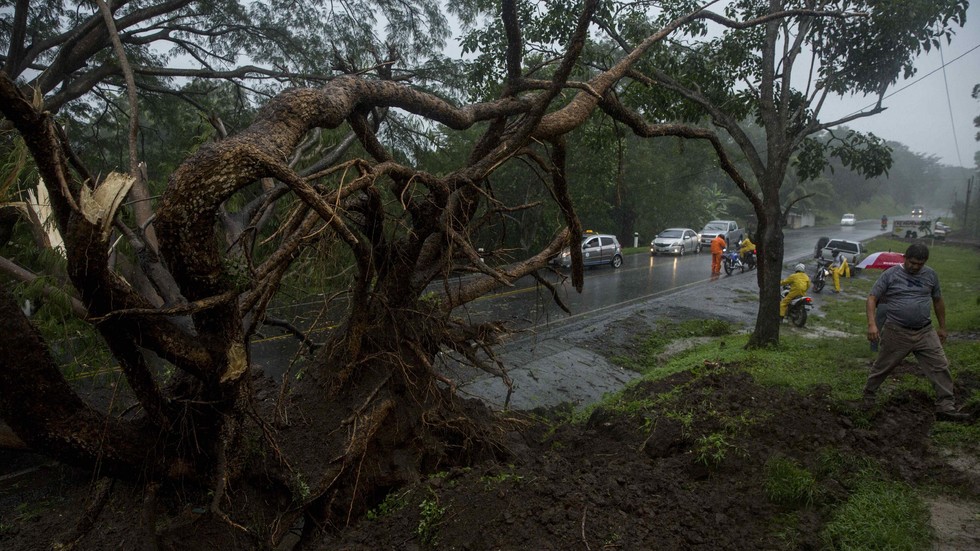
{"x":728,"y":228}
{"x":596,"y":249}
{"x":940,"y":230}
{"x":853,"y":251}
{"x":847,"y":220}
{"x":676,"y":241}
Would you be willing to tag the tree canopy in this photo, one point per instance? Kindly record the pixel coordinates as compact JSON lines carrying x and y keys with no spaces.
{"x":367,"y":147}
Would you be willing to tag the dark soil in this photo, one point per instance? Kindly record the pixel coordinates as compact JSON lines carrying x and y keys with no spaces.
{"x":686,"y":471}
{"x":648,"y":481}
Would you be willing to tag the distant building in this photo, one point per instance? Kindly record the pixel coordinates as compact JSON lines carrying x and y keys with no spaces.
{"x":797,"y":220}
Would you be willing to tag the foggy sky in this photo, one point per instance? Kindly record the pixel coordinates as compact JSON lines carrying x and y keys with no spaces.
{"x":919,"y":115}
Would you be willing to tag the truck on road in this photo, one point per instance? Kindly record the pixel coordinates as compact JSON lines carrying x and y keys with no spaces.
{"x":727,"y":228}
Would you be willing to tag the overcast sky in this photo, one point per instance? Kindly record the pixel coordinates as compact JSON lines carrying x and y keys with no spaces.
{"x":918,"y":112}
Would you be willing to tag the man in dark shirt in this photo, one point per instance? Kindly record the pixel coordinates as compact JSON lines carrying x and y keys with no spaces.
{"x":912,"y":291}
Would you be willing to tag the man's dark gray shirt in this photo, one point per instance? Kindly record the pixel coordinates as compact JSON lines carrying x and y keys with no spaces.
{"x":909,"y":296}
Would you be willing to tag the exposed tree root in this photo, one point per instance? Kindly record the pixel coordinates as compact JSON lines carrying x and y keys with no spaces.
{"x":100,"y":496}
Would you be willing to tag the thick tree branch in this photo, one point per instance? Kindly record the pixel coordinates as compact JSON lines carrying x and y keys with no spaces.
{"x":53,"y":418}
{"x":482,"y":285}
{"x":642,"y":128}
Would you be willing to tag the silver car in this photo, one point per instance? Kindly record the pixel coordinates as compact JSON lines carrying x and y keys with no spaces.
{"x":676,"y":241}
{"x":596,"y":249}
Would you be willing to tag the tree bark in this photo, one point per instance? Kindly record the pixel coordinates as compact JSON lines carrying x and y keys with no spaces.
{"x":52,"y":417}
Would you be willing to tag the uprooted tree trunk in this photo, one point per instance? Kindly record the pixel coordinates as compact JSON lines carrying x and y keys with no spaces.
{"x":374,"y":404}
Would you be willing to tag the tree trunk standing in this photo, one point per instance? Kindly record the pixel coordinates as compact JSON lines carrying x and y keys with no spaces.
{"x":770,"y":266}
{"x":625,"y":209}
{"x":774,"y":112}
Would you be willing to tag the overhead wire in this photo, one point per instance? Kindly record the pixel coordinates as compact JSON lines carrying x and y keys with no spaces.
{"x":949,"y":104}
{"x":920,"y":79}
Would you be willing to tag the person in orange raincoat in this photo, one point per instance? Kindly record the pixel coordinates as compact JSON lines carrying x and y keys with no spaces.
{"x":717,"y":247}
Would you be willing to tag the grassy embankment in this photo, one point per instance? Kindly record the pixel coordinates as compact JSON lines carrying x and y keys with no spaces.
{"x":880,"y":510}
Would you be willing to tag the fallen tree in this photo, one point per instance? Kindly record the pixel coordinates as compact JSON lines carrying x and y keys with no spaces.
{"x":375,"y":405}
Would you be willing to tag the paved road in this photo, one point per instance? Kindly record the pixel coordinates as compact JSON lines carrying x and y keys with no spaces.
{"x":641,"y":278}
{"x":545,"y":359}
{"x":565,"y":359}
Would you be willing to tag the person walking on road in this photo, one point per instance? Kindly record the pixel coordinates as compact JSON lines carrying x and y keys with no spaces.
{"x":839,"y":267}
{"x":717,"y":248}
{"x":910,"y":288}
{"x":798,"y":283}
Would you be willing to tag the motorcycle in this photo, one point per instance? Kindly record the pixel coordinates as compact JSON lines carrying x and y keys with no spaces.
{"x":821,"y":275}
{"x":798,"y":308}
{"x":750,"y":260}
{"x":731,"y":261}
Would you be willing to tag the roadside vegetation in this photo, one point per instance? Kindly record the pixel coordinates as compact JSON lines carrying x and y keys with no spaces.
{"x":719,"y":446}
{"x":829,"y":357}
{"x":311,"y":167}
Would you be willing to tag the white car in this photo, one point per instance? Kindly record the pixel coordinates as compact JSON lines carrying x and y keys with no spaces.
{"x":847,"y":220}
{"x":676,"y":241}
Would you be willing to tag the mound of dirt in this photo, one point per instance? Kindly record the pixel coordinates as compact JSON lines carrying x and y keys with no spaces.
{"x":686,"y":472}
{"x":682,"y":463}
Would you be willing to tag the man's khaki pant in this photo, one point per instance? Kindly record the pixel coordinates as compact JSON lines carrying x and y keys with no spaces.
{"x":898,"y":342}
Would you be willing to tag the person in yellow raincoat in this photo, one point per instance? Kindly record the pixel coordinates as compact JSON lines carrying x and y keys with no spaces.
{"x":747,"y":246}
{"x":838,"y":268}
{"x":798,"y":283}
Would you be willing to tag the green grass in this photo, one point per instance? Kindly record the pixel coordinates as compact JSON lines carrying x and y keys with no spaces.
{"x":668,"y":332}
{"x":788,"y":483}
{"x":957,"y":436}
{"x":880,"y":515}
{"x":393,"y":502}
{"x":841,"y":359}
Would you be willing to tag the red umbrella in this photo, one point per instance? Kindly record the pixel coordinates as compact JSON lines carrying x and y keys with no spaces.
{"x":882,"y":260}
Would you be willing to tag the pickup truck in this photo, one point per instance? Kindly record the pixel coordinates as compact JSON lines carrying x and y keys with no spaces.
{"x":728,"y":228}
{"x":853,"y":251}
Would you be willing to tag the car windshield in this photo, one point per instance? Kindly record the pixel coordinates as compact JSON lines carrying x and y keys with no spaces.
{"x":842,"y":246}
{"x":849,"y":216}
{"x":666,"y":234}
{"x":722,"y":227}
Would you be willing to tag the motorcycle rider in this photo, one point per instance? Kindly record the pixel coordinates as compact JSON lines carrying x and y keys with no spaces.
{"x":798,"y":283}
{"x":838,"y":268}
{"x":884,"y":221}
{"x":745,"y":250}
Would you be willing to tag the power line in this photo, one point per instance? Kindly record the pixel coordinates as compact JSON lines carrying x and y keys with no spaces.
{"x":949,"y":104}
{"x":920,"y":79}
